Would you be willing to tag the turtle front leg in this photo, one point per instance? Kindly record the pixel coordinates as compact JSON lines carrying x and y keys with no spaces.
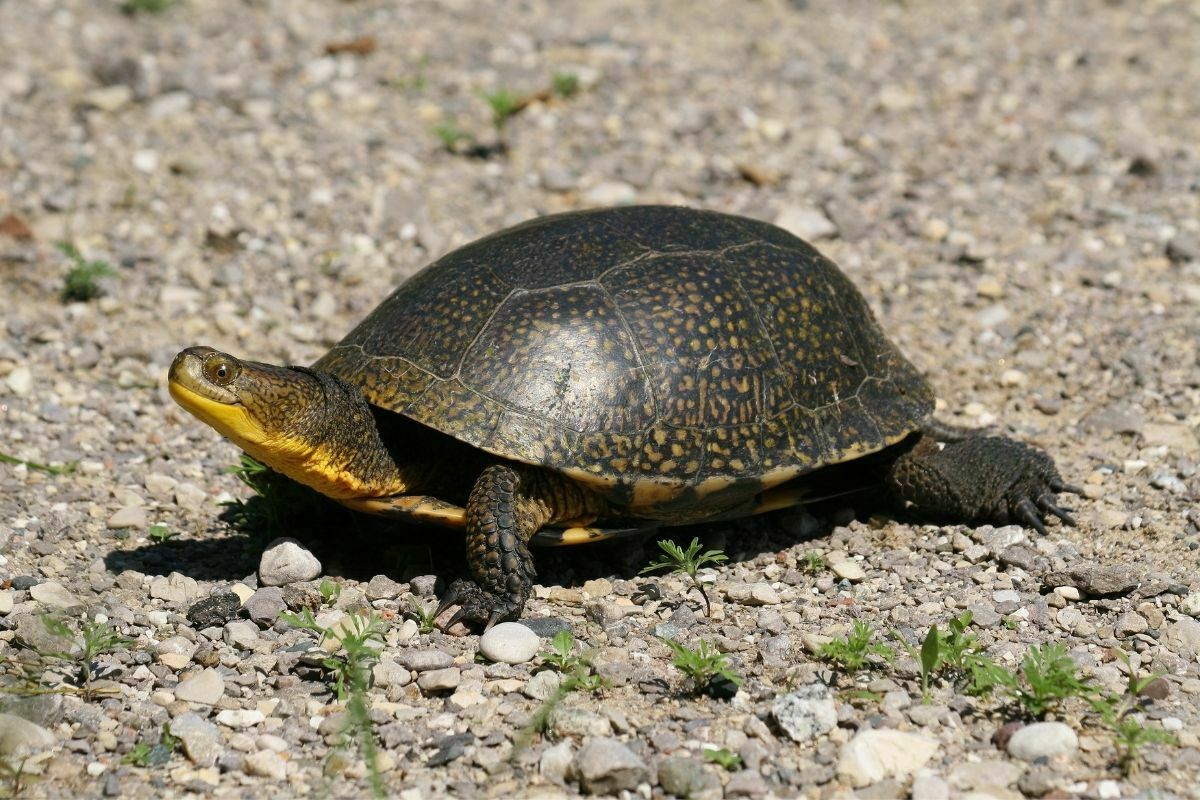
{"x":507,"y":506}
{"x":980,"y":479}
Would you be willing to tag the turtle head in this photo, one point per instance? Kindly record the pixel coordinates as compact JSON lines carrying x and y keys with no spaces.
{"x":309,"y":425}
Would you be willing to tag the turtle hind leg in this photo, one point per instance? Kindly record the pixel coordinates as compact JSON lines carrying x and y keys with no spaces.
{"x":980,"y":479}
{"x":506,"y":507}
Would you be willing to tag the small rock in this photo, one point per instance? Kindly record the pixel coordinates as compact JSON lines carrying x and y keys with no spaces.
{"x":265,"y":605}
{"x":20,"y":738}
{"x":108,"y":98}
{"x":424,"y":660}
{"x":806,"y":222}
{"x":873,"y":755}
{"x":1096,"y":579}
{"x":189,"y":495}
{"x":388,"y":673}
{"x":686,"y":777}
{"x":510,"y":643}
{"x":555,"y":762}
{"x":1075,"y":152}
{"x":542,"y":685}
{"x":201,"y":739}
{"x":1130,"y":623}
{"x":1157,"y":689}
{"x":423,"y":585}
{"x":985,"y":775}
{"x":381,"y":587}
{"x":1183,"y":247}
{"x":214,"y":610}
{"x":241,"y":634}
{"x":55,"y":595}
{"x":747,"y":783}
{"x":128,"y":517}
{"x":268,"y":764}
{"x":930,"y":787}
{"x":610,"y":193}
{"x":1184,"y":636}
{"x":805,"y":713}
{"x":240,"y":717}
{"x":287,"y":561}
{"x":440,"y":680}
{"x":605,"y":766}
{"x":1190,"y":605}
{"x":574,"y":721}
{"x":1043,"y":740}
{"x":546,"y":627}
{"x":205,"y":687}
{"x":20,"y":381}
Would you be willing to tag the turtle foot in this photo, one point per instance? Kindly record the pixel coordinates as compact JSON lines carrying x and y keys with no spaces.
{"x":477,"y":605}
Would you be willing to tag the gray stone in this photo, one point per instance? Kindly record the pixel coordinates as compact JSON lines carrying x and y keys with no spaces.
{"x":542,"y":685}
{"x":606,"y":766}
{"x":440,"y":680}
{"x":266,"y":763}
{"x":189,"y":495}
{"x":287,"y":561}
{"x":381,"y":587}
{"x":747,"y":783}
{"x":265,"y":605}
{"x":930,"y":787}
{"x":510,"y":643}
{"x":1043,"y":740}
{"x":20,"y":738}
{"x":1075,"y":152}
{"x":55,"y":595}
{"x":807,"y":222}
{"x":555,"y":762}
{"x":241,"y":634}
{"x":32,"y":631}
{"x":1183,"y":636}
{"x":1096,"y":579}
{"x":873,"y":755}
{"x":985,"y":775}
{"x":216,"y":609}
{"x":1130,"y":623}
{"x":205,"y":687}
{"x":1183,"y":247}
{"x":424,"y":660}
{"x":574,"y":721}
{"x":201,"y":739}
{"x":687,"y":777}
{"x":610,"y":193}
{"x":388,"y":673}
{"x":1190,"y":605}
{"x":805,"y":713}
{"x":129,"y":517}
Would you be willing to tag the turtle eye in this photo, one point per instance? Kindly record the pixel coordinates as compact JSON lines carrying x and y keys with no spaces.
{"x":221,"y":370}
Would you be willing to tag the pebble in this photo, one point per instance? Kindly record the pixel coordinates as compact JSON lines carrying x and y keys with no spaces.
{"x":381,"y":587}
{"x":542,"y":685}
{"x":555,"y":762}
{"x":128,"y":517}
{"x":610,"y":193}
{"x":686,"y":777}
{"x":55,"y":595}
{"x":1075,"y":152}
{"x":20,"y":381}
{"x":873,"y":755}
{"x":1043,"y":740}
{"x":214,"y":610}
{"x":1130,"y":623}
{"x":175,"y":588}
{"x":189,"y":495}
{"x":747,"y":783}
{"x":1190,"y":605}
{"x":20,"y":738}
{"x":241,"y":634}
{"x":510,"y":643}
{"x":1183,"y":247}
{"x":805,"y":713}
{"x":928,"y":786}
{"x":287,"y":561}
{"x":1184,"y":636}
{"x":240,"y":717}
{"x":575,"y":721}
{"x":201,"y":739}
{"x":424,"y":660}
{"x":440,"y":680}
{"x":205,"y":687}
{"x":984,"y":775}
{"x":388,"y":673}
{"x":6,"y":602}
{"x":265,"y":605}
{"x":546,"y":627}
{"x":1096,"y":579}
{"x":806,"y":222}
{"x":606,"y":766}
{"x":109,"y":98}
{"x":267,"y":764}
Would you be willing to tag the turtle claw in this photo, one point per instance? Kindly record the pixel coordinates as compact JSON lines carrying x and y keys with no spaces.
{"x":1028,"y":515}
{"x":1047,"y":504}
{"x":477,"y":605}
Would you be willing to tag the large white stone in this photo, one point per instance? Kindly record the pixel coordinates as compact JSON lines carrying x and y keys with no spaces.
{"x":873,"y":755}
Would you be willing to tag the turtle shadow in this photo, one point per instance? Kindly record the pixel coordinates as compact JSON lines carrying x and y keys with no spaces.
{"x":220,"y":557}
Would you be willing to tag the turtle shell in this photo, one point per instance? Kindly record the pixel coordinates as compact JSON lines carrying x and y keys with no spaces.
{"x":661,"y":355}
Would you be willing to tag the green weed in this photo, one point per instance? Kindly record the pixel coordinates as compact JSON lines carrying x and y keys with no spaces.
{"x":330,"y":591}
{"x":565,"y":84}
{"x":724,"y":758}
{"x":160,"y":534}
{"x":707,"y":667}
{"x":95,"y":639}
{"x":424,"y":617}
{"x":853,"y":653}
{"x":688,"y":562}
{"x":505,"y":104}
{"x":813,"y":562}
{"x":65,"y":469}
{"x":82,"y":280}
{"x":147,"y":6}
{"x":145,"y":754}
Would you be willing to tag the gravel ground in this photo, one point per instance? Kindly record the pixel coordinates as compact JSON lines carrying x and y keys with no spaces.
{"x":1015,"y":187}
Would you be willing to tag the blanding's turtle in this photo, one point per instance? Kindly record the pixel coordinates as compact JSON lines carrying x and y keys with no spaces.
{"x":553,"y":382}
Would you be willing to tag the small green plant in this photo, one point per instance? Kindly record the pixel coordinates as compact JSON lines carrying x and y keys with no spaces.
{"x":330,"y":591}
{"x":689,"y":562}
{"x":359,"y":638}
{"x":1130,"y":734}
{"x":565,"y":84}
{"x":160,"y":534}
{"x":145,"y":754}
{"x":853,"y":653}
{"x":425,"y":618}
{"x":952,"y":651}
{"x":505,"y":104}
{"x":1046,"y":678}
{"x":813,"y":562}
{"x":81,"y":283}
{"x":65,"y":469}
{"x":95,"y":640}
{"x":726,"y":759}
{"x":278,"y":501}
{"x":147,"y":6}
{"x":14,"y":780}
{"x":578,"y":676}
{"x":450,"y":135}
{"x":707,"y":667}
{"x":562,"y":656}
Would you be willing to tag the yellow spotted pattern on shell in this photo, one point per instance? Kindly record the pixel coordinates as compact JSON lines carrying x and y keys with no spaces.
{"x":660,"y":354}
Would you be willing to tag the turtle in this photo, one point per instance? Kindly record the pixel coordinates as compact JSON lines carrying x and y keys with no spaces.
{"x":599,"y":372}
